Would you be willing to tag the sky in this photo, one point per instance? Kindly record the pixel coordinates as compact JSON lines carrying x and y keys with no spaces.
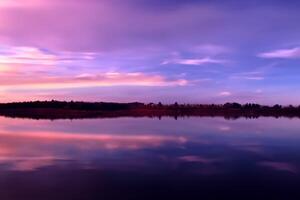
{"x":189,"y":51}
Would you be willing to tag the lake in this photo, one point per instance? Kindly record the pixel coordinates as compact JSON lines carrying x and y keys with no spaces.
{"x":148,"y":158}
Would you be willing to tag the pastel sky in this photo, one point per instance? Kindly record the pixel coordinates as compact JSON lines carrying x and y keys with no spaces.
{"x":190,"y":51}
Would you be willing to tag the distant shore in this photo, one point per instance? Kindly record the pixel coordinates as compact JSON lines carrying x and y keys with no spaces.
{"x":81,"y":110}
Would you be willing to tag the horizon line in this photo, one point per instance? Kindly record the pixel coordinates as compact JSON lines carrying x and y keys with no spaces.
{"x":158,"y":102}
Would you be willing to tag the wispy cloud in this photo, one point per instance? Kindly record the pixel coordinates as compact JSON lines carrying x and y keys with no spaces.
{"x":254,"y":78}
{"x":201,"y":61}
{"x":255,"y":75}
{"x":210,"y":49}
{"x":90,"y":80}
{"x":282,"y":53}
{"x":18,"y":3}
{"x":225,"y":93}
{"x":36,"y":56}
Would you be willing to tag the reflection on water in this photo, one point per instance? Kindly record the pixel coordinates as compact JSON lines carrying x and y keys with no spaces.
{"x":134,"y":158}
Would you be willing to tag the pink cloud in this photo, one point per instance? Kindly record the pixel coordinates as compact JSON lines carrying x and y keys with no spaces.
{"x":19,"y":3}
{"x":35,"y":155}
{"x":26,"y":55}
{"x":225,"y":93}
{"x":36,"y":56}
{"x":88,"y":80}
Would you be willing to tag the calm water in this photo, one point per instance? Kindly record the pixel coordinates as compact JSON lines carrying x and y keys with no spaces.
{"x":143,"y":158}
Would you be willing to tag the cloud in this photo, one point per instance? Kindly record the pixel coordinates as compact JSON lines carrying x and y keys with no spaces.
{"x":25,"y":55}
{"x":282,"y":53}
{"x":86,"y":76}
{"x":99,"y":36}
{"x":89,"y":80}
{"x":18,"y":3}
{"x":253,"y":75}
{"x":210,"y":49}
{"x":36,"y":56}
{"x":201,"y":61}
{"x":255,"y":78}
{"x":225,"y":93}
{"x":75,"y":25}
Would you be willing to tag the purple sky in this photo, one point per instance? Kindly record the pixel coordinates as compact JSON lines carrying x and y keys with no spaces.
{"x":190,"y":51}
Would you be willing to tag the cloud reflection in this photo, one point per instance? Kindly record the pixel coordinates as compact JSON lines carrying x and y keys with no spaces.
{"x":280,"y":166}
{"x":25,"y":150}
{"x":195,"y":145}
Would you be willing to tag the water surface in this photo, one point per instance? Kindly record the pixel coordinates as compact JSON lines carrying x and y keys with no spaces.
{"x":144,"y":158}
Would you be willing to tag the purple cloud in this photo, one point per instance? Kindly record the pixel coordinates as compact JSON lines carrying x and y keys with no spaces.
{"x":282,"y":53}
{"x":200,"y":61}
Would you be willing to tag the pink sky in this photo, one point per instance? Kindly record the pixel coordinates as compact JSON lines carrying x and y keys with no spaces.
{"x":192,"y":51}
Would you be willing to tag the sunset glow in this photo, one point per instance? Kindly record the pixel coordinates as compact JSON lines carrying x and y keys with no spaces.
{"x":186,"y":51}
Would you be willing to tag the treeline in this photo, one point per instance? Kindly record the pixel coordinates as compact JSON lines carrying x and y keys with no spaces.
{"x":105,"y":106}
{"x":71,"y":110}
{"x":229,"y":110}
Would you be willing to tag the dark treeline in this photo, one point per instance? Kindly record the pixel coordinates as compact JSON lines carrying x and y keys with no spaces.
{"x":73,"y":110}
{"x":104,"y":106}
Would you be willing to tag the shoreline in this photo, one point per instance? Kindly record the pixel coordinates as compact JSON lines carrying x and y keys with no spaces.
{"x":53,"y":110}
